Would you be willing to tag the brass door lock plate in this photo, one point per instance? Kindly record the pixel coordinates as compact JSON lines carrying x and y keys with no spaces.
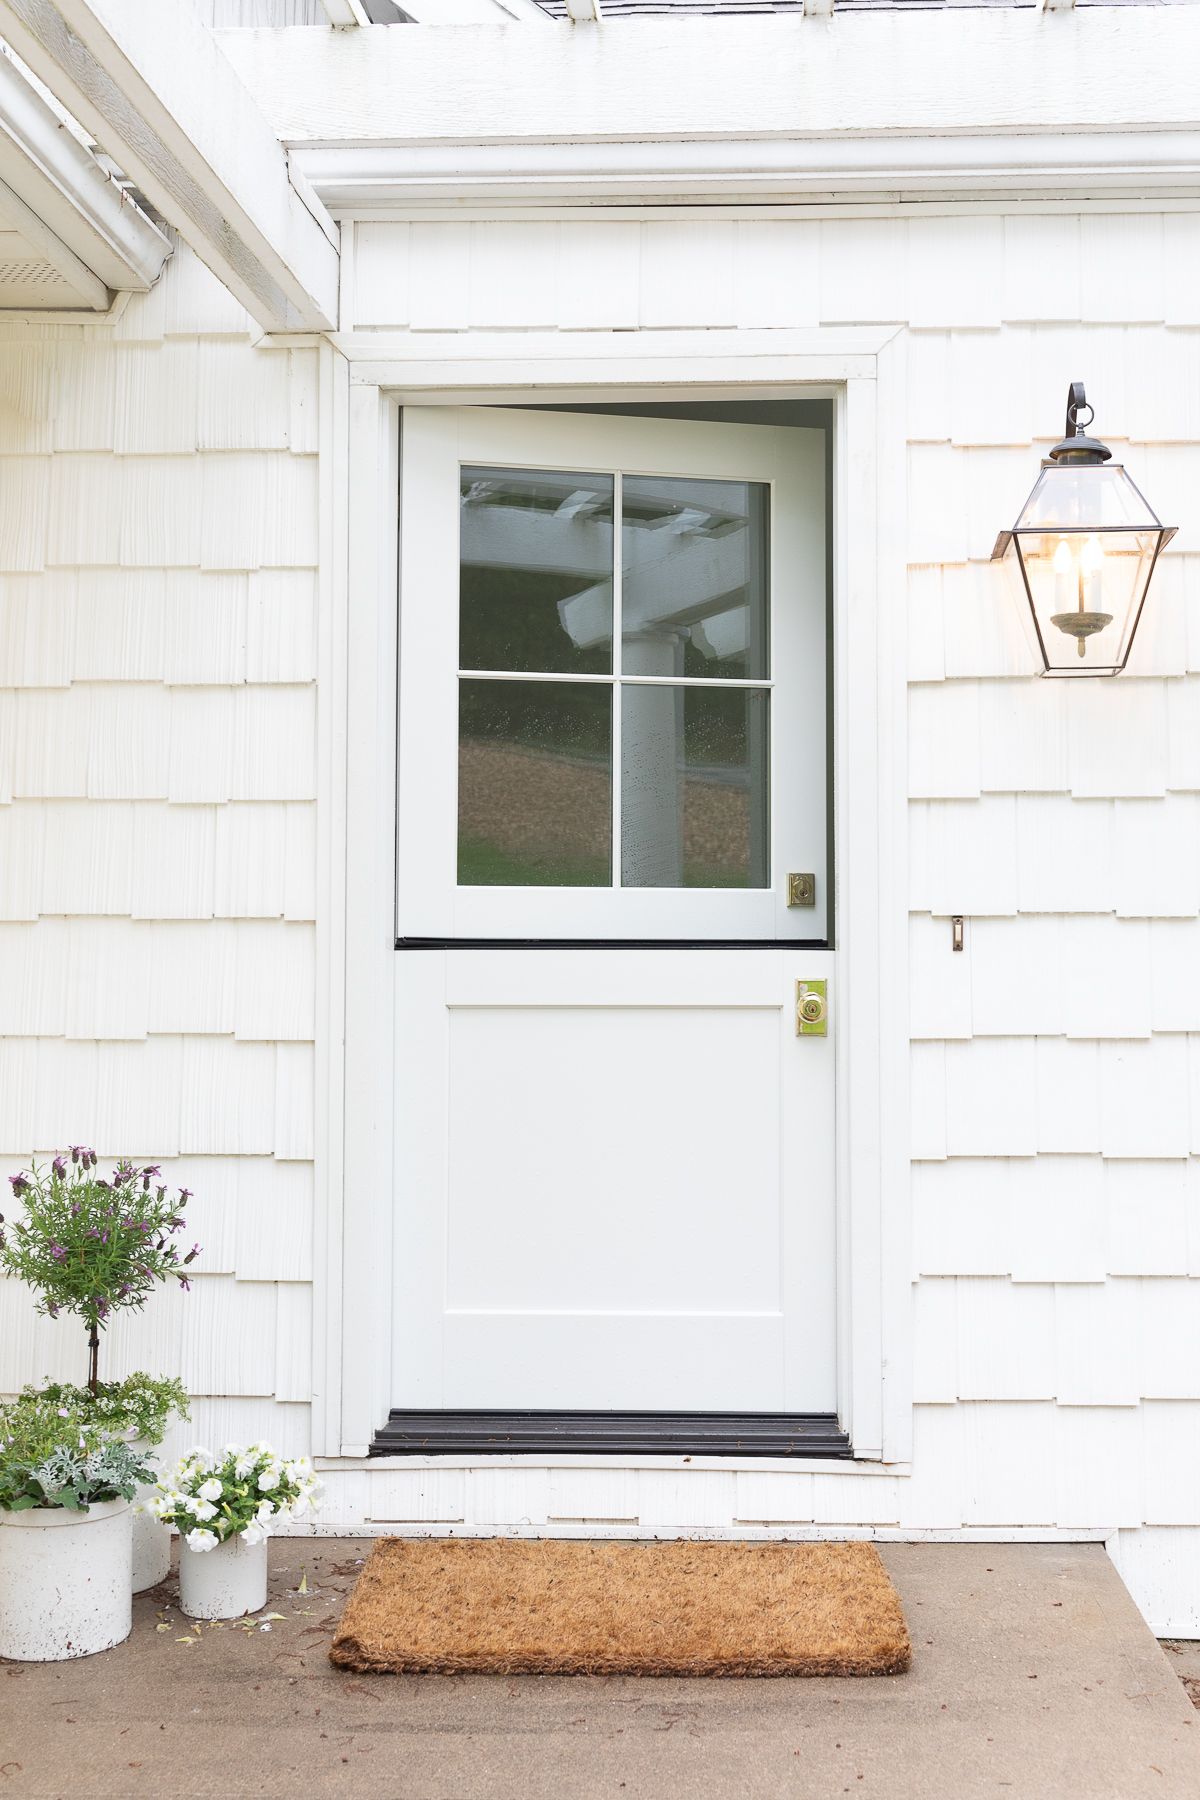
{"x":802,"y":890}
{"x":811,"y":1009}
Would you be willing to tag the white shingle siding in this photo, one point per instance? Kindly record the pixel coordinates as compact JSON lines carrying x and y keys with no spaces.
{"x":1056,"y":1077}
{"x":157,"y":844}
{"x":158,"y":514}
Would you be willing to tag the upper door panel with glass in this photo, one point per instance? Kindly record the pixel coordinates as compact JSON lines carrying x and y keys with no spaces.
{"x":613,"y":678}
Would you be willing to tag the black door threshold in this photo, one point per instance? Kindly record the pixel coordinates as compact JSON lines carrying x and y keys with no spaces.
{"x":435,"y":1433}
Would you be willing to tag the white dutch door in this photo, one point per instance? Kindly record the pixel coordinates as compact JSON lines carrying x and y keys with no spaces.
{"x":614,"y":1152}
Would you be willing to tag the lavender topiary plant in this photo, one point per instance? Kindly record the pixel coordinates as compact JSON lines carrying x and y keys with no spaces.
{"x":94,"y":1247}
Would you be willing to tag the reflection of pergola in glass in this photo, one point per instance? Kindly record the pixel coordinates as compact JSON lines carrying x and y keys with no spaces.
{"x":691,"y":694}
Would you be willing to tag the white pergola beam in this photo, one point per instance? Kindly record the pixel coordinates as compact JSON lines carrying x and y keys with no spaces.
{"x":345,"y":12}
{"x":154,"y":89}
{"x":584,"y":12}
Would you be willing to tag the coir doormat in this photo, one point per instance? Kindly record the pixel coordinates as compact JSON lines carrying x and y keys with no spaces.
{"x":501,"y":1606}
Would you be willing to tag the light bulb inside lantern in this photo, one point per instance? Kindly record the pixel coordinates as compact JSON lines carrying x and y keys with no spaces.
{"x":1079,"y":581}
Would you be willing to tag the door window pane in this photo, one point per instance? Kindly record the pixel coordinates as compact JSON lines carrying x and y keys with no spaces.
{"x":694,"y":578}
{"x":694,"y":803}
{"x":536,"y":564}
{"x":534,"y":784}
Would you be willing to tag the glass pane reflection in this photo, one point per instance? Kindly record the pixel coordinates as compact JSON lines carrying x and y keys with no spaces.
{"x":694,"y":578}
{"x":534,"y":784}
{"x":536,"y":561}
{"x":694,"y":802}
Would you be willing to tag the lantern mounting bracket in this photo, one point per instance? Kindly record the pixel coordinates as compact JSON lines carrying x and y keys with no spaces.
{"x":1076,"y":446}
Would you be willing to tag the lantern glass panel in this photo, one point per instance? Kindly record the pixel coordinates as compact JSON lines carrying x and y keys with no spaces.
{"x":1086,"y":588}
{"x":1085,"y":497}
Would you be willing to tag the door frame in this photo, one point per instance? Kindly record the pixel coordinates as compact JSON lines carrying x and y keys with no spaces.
{"x":363,"y":387}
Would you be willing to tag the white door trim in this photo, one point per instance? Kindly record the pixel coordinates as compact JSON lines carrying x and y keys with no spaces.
{"x":357,"y":795}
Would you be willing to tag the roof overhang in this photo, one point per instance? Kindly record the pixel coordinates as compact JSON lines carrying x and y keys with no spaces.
{"x":57,"y":195}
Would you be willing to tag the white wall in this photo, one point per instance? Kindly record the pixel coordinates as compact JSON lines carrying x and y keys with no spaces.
{"x":1056,"y":1089}
{"x":157,"y":513}
{"x":157,"y":842}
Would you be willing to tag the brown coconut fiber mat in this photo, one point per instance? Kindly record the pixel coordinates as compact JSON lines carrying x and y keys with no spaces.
{"x":502,"y":1606}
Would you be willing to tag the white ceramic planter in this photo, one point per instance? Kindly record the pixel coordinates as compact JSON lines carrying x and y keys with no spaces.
{"x":65,"y":1581}
{"x":151,"y":1538}
{"x":225,"y":1582}
{"x":151,"y":1544}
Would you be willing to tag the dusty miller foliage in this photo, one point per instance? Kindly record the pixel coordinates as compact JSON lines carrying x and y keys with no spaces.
{"x":61,"y":1456}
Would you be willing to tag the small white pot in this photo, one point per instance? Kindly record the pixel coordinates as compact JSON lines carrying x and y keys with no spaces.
{"x":64,"y":1581}
{"x":225,"y":1582}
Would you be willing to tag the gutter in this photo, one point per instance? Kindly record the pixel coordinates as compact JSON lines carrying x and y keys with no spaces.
{"x":86,"y":217}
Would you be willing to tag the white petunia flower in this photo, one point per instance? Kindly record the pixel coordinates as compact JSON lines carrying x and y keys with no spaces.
{"x":269,"y":1479}
{"x":254,"y":1533}
{"x":266,"y":1510}
{"x":204,"y":1509}
{"x":201,"y":1540}
{"x":211,"y":1490}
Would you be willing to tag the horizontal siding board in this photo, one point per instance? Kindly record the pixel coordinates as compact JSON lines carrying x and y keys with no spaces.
{"x":1171,"y":1440}
{"x":966,"y":861}
{"x":1064,"y":855}
{"x":156,"y":398}
{"x":599,"y":270}
{"x":687,"y":274}
{"x":1098,"y":1467}
{"x":380,"y":274}
{"x":940,"y":981}
{"x":1017,"y":968}
{"x":272,"y":1211}
{"x":229,"y":1337}
{"x":943,"y":740}
{"x":293,"y":1340}
{"x":1005,"y":1340}
{"x":935,"y":1342}
{"x":991,"y":1084}
{"x":1147,"y":1205}
{"x":227,"y":1098}
{"x":1068,"y":1096}
{"x":1057,"y":1220}
{"x":1096,"y":1336}
{"x":962,"y":1216}
{"x":37,"y":629}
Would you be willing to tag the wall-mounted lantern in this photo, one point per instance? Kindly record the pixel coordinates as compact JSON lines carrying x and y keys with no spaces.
{"x":1085,"y":546}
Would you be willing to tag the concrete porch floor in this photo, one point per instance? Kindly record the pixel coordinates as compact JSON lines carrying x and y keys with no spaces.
{"x":1033,"y":1677}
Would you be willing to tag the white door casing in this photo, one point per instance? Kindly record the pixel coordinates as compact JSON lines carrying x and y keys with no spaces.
{"x":364,"y":389}
{"x":615,"y":1166}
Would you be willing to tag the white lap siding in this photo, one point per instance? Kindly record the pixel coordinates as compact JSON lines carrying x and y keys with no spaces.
{"x":158,"y":483}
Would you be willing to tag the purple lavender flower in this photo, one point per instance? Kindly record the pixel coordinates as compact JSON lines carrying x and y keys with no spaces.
{"x":183,"y":1281}
{"x":60,"y":1168}
{"x":192,"y":1254}
{"x":18,"y":1183}
{"x":57,"y":1252}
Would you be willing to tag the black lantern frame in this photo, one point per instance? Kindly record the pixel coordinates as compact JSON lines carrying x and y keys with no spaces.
{"x":1085,"y":545}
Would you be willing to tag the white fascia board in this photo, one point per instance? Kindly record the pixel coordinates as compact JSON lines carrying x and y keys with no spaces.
{"x":1043,"y":165}
{"x":152,"y":86}
{"x":59,"y":181}
{"x":949,"y":71}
